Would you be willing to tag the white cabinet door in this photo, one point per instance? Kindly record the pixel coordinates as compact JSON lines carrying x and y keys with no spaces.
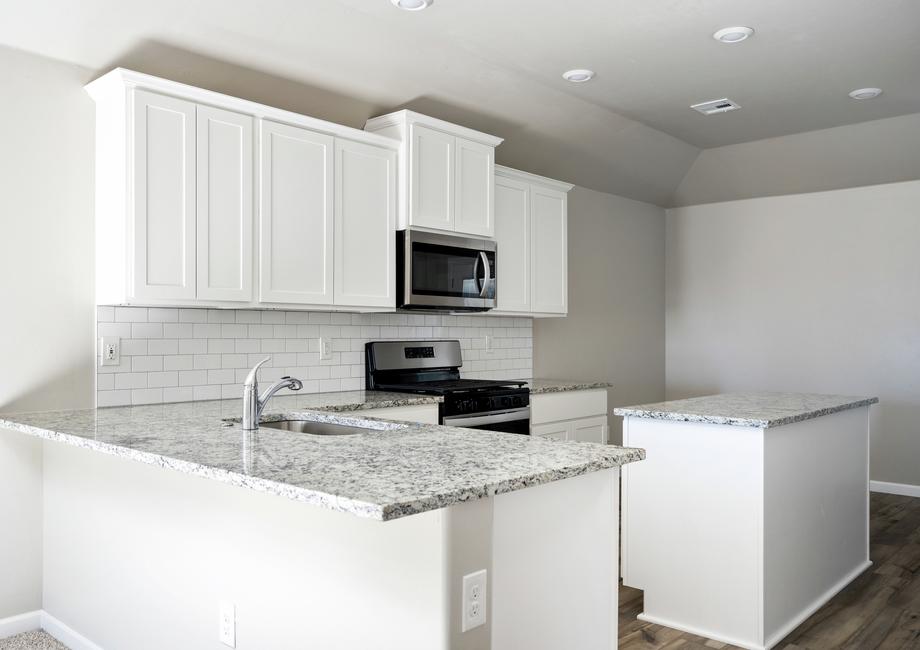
{"x":431,"y":196}
{"x":512,"y":234}
{"x":548,"y":252}
{"x":365,"y":225}
{"x":590,"y":429}
{"x":551,"y":431}
{"x":296,"y":215}
{"x":475,"y":183}
{"x":224,"y":218}
{"x":164,"y":198}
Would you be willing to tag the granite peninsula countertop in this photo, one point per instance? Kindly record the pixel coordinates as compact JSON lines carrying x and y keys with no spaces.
{"x":541,"y":386}
{"x":393,"y":470}
{"x":761,"y":410}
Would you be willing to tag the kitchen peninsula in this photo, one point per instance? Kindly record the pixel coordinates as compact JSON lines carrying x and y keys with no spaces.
{"x":751,"y":512}
{"x":201,"y":513}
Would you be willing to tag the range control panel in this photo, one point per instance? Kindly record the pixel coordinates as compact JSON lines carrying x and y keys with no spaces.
{"x":426,"y":352}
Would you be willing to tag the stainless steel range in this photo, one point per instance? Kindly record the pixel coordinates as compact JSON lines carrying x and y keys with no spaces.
{"x":433,"y":368}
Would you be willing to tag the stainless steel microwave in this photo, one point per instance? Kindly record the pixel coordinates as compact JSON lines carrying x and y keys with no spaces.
{"x":440,"y":272}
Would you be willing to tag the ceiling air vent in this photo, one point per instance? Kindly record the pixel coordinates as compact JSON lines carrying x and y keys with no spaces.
{"x":716,"y":106}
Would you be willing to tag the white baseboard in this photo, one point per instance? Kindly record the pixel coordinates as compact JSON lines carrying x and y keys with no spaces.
{"x":42,"y":620}
{"x":657,"y":620}
{"x":20,"y":623}
{"x":802,"y":616}
{"x":66,"y":635}
{"x":904,"y":489}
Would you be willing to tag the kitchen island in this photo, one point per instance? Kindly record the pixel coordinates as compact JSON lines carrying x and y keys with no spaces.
{"x":310,"y":537}
{"x":750,"y":513}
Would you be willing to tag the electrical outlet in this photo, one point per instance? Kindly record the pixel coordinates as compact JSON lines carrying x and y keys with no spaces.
{"x":111,"y":350}
{"x":474,"y":600}
{"x":227,"y":633}
{"x":487,"y":345}
{"x":325,"y":348}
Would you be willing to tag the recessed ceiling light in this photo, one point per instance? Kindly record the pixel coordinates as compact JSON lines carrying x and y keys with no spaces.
{"x":866,"y":93}
{"x":733,"y":34}
{"x":578,"y":76}
{"x":412,"y":5}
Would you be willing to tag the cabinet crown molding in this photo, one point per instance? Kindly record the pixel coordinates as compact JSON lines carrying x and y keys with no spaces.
{"x":119,"y":79}
{"x":527,"y":177}
{"x":405,"y":118}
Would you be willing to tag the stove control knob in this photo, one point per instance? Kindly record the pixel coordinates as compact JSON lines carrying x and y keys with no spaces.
{"x":506,"y":401}
{"x":516,"y":401}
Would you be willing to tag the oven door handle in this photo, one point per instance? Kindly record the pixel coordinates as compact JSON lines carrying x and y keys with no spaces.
{"x":493,"y":417}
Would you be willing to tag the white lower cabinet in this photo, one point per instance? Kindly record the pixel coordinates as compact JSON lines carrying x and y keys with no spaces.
{"x":531,"y":224}
{"x":551,"y":431}
{"x":180,"y":172}
{"x":571,"y":415}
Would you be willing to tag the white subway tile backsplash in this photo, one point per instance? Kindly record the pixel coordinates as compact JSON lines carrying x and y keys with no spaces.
{"x":176,"y":355}
{"x":146,"y":330}
{"x":130,"y":314}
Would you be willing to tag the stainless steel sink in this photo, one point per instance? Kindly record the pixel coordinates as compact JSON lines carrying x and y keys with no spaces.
{"x":315,"y":428}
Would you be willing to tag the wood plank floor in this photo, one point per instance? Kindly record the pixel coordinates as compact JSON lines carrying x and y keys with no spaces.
{"x":880,"y":609}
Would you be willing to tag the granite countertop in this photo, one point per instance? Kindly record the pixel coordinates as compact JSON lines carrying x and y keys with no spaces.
{"x":541,"y":386}
{"x":761,"y":410}
{"x":393,"y":470}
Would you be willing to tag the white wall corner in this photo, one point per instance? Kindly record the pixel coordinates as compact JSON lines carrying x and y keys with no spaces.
{"x":66,"y":635}
{"x":903,"y":489}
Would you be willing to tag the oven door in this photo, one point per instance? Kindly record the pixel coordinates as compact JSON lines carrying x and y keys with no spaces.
{"x":511,"y":421}
{"x":445,"y":272}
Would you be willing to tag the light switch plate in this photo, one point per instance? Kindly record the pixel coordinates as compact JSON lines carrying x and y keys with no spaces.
{"x":474,"y":600}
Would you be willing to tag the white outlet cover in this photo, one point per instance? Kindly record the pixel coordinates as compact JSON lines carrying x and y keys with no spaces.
{"x":474,"y":600}
{"x":110,"y":351}
{"x":227,"y":631}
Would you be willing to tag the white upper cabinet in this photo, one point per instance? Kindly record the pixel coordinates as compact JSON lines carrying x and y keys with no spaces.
{"x":365,"y":225}
{"x":225,"y":207}
{"x":296,"y":215}
{"x":474,"y":196}
{"x":164,"y":198}
{"x":446,"y":173}
{"x":531,"y":224}
{"x":550,"y":268}
{"x":192,"y":187}
{"x":512,"y":234}
{"x":431,"y":202}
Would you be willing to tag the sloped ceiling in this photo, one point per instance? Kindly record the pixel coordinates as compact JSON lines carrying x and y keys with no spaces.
{"x":495,"y":65}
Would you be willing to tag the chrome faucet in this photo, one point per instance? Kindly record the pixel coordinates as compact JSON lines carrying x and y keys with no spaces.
{"x":253,"y":403}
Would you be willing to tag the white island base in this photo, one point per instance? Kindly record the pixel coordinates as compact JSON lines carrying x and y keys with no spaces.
{"x":740,"y":533}
{"x":136,"y":556}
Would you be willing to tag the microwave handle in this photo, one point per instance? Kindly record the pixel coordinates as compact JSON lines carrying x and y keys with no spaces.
{"x":487,"y":276}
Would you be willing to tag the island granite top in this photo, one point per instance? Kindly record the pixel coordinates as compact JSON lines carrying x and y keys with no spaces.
{"x":761,"y":410}
{"x":541,"y":386}
{"x":393,"y":470}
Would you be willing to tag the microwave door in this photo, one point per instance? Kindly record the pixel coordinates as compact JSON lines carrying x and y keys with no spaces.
{"x":446,"y":274}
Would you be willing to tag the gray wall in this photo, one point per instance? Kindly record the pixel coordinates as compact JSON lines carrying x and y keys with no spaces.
{"x":870,"y":153}
{"x":813,"y":292}
{"x":615,"y":327}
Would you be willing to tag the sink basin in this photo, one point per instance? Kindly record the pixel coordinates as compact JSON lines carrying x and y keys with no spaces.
{"x":315,"y":428}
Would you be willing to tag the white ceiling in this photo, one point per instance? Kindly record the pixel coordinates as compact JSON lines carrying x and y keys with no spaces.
{"x":496,"y":64}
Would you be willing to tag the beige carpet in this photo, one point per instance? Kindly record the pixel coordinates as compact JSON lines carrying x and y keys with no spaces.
{"x":37,"y":640}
